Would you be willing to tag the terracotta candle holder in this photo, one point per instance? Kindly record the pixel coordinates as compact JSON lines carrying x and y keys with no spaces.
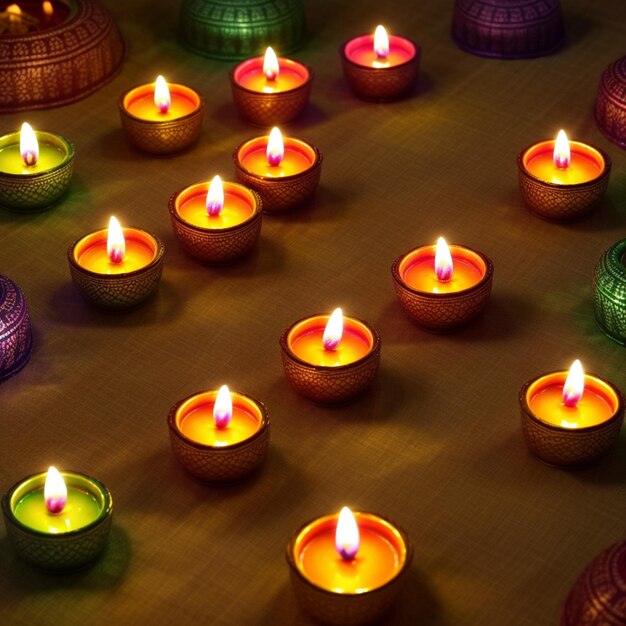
{"x":59,"y":540}
{"x":575,"y":433}
{"x":270,"y":90}
{"x":609,"y":291}
{"x":222,"y":234}
{"x":338,"y":588}
{"x":380,"y":68}
{"x":112,"y":283}
{"x":559,"y":186}
{"x":332,"y":375}
{"x":16,"y":336}
{"x":161,"y":128}
{"x":286,"y":183}
{"x":610,"y":109}
{"x":448,"y":303}
{"x":219,"y":451}
{"x":39,"y":178}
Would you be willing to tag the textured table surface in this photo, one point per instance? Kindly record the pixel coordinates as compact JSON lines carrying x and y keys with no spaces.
{"x":435,"y":445}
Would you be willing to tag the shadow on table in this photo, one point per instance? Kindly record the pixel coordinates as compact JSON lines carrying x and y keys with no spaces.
{"x":325,"y":205}
{"x":105,"y":573}
{"x":608,"y":470}
{"x":417,"y":605}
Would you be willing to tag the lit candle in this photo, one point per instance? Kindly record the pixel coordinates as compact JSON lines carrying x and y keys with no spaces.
{"x":29,"y":16}
{"x":270,"y":89}
{"x":216,"y":222}
{"x":284,"y":171}
{"x":116,"y":267}
{"x":65,"y":506}
{"x":330,"y":358}
{"x":442,"y":287}
{"x":379,"y":66}
{"x":35,"y":169}
{"x":346,"y":555}
{"x":219,"y":435}
{"x":562,"y":179}
{"x":570,"y":417}
{"x":161,"y":118}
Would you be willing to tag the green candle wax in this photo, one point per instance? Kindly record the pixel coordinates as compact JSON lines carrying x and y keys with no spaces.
{"x":11,"y":162}
{"x":82,"y":508}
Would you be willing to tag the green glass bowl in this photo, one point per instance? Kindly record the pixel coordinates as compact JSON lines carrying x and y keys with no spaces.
{"x":237,"y":29}
{"x":63,"y":551}
{"x":609,"y":292}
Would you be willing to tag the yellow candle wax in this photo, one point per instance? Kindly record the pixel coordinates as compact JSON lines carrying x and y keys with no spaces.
{"x":50,"y":156}
{"x":586,"y":163}
{"x":545,"y":399}
{"x":195,"y":420}
{"x":91,"y":252}
{"x":250,"y":75}
{"x":418,"y":270}
{"x":139,"y":102}
{"x":305,"y":342}
{"x":238,"y":206}
{"x":379,"y":559}
{"x":299,"y":157}
{"x":82,"y":508}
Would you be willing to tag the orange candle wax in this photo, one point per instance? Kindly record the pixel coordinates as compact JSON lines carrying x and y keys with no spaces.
{"x":360,"y":50}
{"x":139,"y":102}
{"x":194,"y":419}
{"x":380,"y":558}
{"x":239,"y":206}
{"x":250,"y":75}
{"x":597,"y":405}
{"x":91,"y":252}
{"x":305,"y":342}
{"x":586,"y":163}
{"x":299,"y":157}
{"x":417,"y":270}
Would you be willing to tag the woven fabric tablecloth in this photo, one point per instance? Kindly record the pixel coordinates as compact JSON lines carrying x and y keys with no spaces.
{"x":435,"y":445}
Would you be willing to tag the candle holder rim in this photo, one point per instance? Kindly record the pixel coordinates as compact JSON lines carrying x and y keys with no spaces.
{"x":588,"y":183}
{"x":489,"y":268}
{"x":73,"y":7}
{"x":619,"y":409}
{"x":197,"y":110}
{"x":342,"y":51}
{"x":408,"y":557}
{"x":106,"y":511}
{"x":305,"y":84}
{"x":265,"y":424}
{"x":158,"y":256}
{"x":256,"y":212}
{"x":616,"y":256}
{"x":317,"y":162}
{"x":375,"y":349}
{"x":70,"y":151}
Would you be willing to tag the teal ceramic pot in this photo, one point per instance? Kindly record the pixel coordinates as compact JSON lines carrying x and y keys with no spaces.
{"x":609,"y":292}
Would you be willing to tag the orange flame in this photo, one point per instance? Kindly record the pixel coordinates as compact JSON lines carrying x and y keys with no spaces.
{"x":333,"y":331}
{"x":275,"y":148}
{"x":47,"y":8}
{"x":223,"y":408}
{"x":29,"y":146}
{"x":381,"y":42}
{"x":574,"y":386}
{"x":162,"y":97}
{"x":55,"y":491}
{"x":116,"y":245}
{"x":443,"y":261}
{"x":271,"y":68}
{"x":347,"y":538}
{"x":14,"y":9}
{"x":215,"y":197}
{"x":562,"y":154}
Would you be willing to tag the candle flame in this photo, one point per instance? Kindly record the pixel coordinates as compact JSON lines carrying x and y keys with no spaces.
{"x":381,"y":42}
{"x":55,"y":491}
{"x":271,"y":68}
{"x":47,"y":7}
{"x":333,"y":331}
{"x":14,"y":9}
{"x":561,"y":155}
{"x":116,"y":245}
{"x":574,"y":384}
{"x":223,"y":408}
{"x":347,"y":537}
{"x":215,"y":197}
{"x":443,"y":261}
{"x":29,"y":146}
{"x":162,"y":97}
{"x":275,"y":148}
